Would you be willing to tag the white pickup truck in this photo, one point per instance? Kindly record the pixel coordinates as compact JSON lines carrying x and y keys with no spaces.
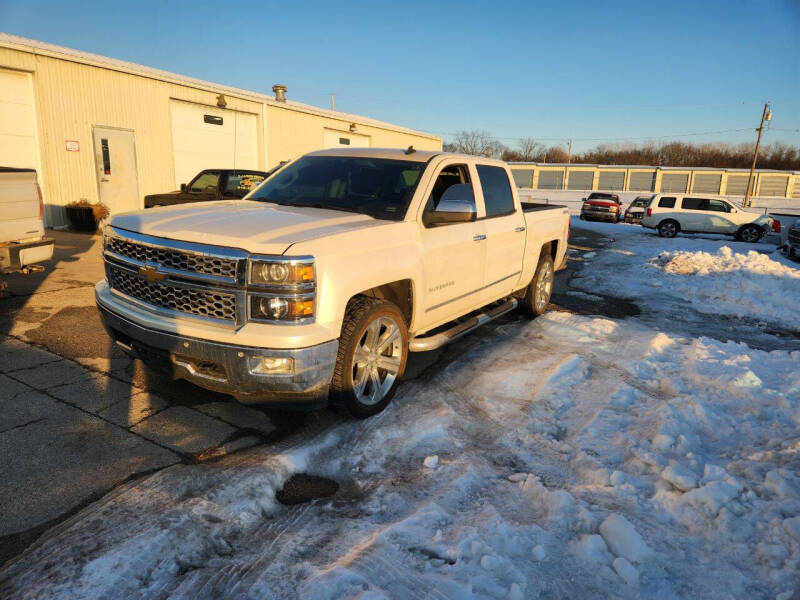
{"x":22,"y":241}
{"x":316,"y":286}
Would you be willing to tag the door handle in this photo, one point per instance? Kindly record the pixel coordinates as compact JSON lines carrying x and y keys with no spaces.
{"x":478,"y":238}
{"x":519,"y":229}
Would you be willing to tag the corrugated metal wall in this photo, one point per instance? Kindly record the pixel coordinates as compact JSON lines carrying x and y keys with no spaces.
{"x":737,"y":185}
{"x":523,"y":177}
{"x":611,"y":180}
{"x":580,"y":180}
{"x":706,"y":183}
{"x":773,"y":185}
{"x":796,"y":188}
{"x":674,"y":182}
{"x":642,"y":181}
{"x":551,"y":180}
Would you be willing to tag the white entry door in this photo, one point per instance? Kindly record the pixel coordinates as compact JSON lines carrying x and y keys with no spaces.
{"x":345,"y":139}
{"x":115,"y":165}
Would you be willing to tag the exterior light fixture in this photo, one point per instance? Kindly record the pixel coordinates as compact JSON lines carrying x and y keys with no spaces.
{"x":221,"y":102}
{"x":352,"y":127}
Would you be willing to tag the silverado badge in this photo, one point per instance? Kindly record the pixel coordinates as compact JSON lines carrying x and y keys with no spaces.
{"x":151,"y":274}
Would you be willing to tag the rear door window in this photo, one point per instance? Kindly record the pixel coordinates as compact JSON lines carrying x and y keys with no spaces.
{"x":694,"y":204}
{"x":666,"y":202}
{"x":497,"y":194}
{"x":719,"y":206}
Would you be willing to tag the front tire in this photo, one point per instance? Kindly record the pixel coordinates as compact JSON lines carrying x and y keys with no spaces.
{"x":668,"y":228}
{"x":750,"y":234}
{"x":537,"y":296}
{"x":373,"y":350}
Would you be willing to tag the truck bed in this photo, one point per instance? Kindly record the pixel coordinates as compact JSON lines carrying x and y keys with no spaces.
{"x":534,"y":206}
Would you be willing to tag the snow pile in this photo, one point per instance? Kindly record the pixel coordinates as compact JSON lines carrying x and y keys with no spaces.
{"x":713,"y":274}
{"x":533,"y":463}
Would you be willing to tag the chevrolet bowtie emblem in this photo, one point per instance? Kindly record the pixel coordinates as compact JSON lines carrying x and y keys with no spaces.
{"x":151,"y":273}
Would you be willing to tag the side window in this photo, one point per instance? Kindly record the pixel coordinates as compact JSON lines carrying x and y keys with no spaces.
{"x":719,"y":206}
{"x":666,"y":202}
{"x":207,"y":182}
{"x":239,"y":184}
{"x":694,"y":204}
{"x":448,"y":176}
{"x":496,"y":190}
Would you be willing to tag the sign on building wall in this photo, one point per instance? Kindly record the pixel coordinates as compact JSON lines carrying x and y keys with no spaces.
{"x":72,"y":146}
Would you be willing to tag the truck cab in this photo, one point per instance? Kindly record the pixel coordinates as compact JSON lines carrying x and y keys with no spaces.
{"x":317,"y":284}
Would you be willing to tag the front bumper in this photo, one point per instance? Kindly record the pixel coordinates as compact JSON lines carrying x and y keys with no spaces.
{"x":15,"y":256}
{"x":599,"y":215}
{"x":224,"y":367}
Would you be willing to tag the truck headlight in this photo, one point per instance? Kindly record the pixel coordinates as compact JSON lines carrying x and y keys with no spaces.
{"x":281,"y":308}
{"x":283,"y":273}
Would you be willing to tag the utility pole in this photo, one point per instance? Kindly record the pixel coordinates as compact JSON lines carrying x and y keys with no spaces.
{"x":765,"y":116}
{"x":333,"y":103}
{"x":569,"y":153}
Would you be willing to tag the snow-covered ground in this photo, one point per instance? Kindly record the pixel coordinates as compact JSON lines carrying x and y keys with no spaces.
{"x":567,"y":457}
{"x":711,"y":274}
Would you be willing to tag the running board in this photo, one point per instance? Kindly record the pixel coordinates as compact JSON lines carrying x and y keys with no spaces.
{"x":437,"y":340}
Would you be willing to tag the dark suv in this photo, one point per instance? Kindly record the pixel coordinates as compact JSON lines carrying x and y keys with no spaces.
{"x":211,"y":184}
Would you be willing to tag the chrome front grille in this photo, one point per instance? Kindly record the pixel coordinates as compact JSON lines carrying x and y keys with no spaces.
{"x":191,"y":262}
{"x":209,"y":303}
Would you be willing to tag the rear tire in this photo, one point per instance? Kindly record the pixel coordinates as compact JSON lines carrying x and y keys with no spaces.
{"x":373,"y":350}
{"x":668,"y":228}
{"x":537,"y":295}
{"x":749,"y":233}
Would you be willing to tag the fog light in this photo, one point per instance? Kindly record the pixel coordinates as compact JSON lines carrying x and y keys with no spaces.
{"x":270,"y":365}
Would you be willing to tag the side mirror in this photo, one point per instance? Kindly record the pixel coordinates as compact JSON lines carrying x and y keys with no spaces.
{"x":457,"y":205}
{"x":183,"y":187}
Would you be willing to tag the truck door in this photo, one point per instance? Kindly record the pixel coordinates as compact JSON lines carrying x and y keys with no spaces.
{"x":453,"y":254}
{"x":505,"y":233}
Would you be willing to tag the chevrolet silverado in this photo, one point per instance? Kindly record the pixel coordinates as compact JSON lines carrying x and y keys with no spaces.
{"x":316,"y":286}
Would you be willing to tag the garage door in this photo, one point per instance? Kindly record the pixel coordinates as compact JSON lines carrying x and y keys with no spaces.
{"x":551,"y":180}
{"x":706,"y":183}
{"x":736,"y":186}
{"x":611,"y":180}
{"x":674,"y":182}
{"x":18,"y":145}
{"x":523,"y":177}
{"x":773,"y":185}
{"x":642,"y":181}
{"x":206,"y":137}
{"x":580,"y":180}
{"x":796,"y":188}
{"x":345,"y":139}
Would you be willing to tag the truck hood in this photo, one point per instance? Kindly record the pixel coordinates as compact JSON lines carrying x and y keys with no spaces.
{"x":256,"y":227}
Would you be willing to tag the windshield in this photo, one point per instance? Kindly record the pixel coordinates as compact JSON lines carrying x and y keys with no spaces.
{"x":640,"y":202}
{"x":380,"y":188}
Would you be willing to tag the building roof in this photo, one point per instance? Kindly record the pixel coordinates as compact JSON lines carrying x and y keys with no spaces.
{"x":15,"y":42}
{"x":651,"y":167}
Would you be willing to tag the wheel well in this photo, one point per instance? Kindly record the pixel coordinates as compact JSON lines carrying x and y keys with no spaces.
{"x":400,"y":293}
{"x":550,"y":248}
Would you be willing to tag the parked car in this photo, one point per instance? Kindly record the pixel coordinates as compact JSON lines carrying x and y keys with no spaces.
{"x":321,"y":281}
{"x":670,"y":213}
{"x":22,"y":239}
{"x":600,"y":206}
{"x":793,"y":241}
{"x":635,"y":211}
{"x":211,"y":184}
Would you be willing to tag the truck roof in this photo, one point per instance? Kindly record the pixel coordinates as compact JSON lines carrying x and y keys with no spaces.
{"x":398,"y":154}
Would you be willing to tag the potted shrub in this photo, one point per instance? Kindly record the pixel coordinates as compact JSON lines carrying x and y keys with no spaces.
{"x":85,"y":216}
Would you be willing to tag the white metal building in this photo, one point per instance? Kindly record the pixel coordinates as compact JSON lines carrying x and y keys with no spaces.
{"x":72,"y":115}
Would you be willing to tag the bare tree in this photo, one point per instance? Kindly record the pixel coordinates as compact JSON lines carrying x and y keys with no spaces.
{"x":529,"y":150}
{"x":477,"y":143}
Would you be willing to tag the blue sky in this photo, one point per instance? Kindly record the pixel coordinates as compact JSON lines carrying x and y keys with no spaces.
{"x":616,"y":71}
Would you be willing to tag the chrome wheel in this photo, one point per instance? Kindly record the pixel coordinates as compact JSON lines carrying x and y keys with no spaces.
{"x":377,"y":360}
{"x":544,"y":287}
